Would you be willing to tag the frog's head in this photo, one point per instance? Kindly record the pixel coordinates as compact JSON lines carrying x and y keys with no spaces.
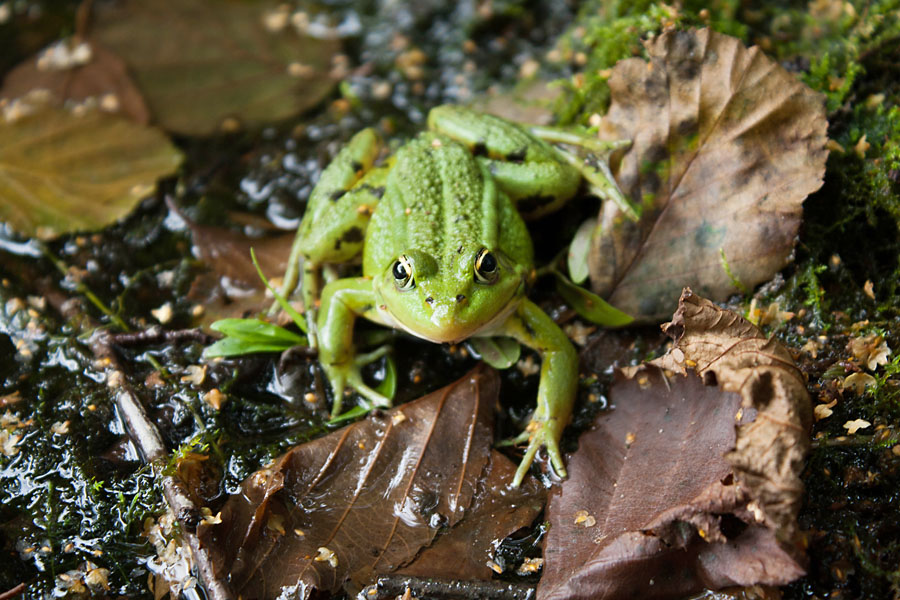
{"x":448,"y":301}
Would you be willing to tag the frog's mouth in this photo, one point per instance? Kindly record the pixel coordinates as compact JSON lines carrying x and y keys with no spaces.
{"x":445,"y":329}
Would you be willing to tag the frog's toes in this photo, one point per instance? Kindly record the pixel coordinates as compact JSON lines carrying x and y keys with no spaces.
{"x":540,"y":435}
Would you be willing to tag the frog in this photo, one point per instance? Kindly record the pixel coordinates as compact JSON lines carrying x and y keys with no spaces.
{"x":440,"y":228}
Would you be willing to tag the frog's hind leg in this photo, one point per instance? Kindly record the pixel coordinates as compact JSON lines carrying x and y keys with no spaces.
{"x":526,"y":168}
{"x":337,"y":214}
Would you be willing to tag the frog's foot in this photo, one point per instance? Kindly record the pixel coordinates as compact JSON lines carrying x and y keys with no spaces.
{"x":540,"y":433}
{"x":591,"y":157}
{"x":350,"y":376}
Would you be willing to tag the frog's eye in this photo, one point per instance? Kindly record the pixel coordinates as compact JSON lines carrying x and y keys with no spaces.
{"x":485,"y":267}
{"x":402,"y":272}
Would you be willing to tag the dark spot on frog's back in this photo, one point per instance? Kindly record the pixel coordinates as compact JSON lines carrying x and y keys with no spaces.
{"x":351,"y":236}
{"x":354,"y":234}
{"x":356,"y":166}
{"x":378,"y":192}
{"x":479,"y":149}
{"x":337,"y":195}
{"x":517,"y":156}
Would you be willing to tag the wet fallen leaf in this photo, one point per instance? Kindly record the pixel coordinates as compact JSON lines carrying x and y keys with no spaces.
{"x":726,"y":146}
{"x":102,"y":79}
{"x":692,"y":480}
{"x":200,"y":62}
{"x":362,"y":500}
{"x":63,"y":171}
{"x":231,"y":287}
{"x":498,"y":511}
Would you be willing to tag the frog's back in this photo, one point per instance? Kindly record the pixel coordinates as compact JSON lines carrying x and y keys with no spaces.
{"x":439,"y":201}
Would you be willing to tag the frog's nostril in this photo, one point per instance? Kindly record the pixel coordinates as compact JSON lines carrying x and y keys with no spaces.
{"x":460,"y":297}
{"x":429,"y":300}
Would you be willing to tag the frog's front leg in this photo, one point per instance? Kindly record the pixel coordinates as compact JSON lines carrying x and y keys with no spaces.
{"x":559,"y":382}
{"x":343,"y":301}
{"x":337,"y":214}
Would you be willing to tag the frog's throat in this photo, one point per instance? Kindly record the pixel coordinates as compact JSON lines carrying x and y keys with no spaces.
{"x":453,"y":337}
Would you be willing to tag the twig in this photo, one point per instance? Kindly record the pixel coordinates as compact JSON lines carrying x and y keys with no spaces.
{"x":152,"y":449}
{"x":158,"y":335}
{"x":392,"y":586}
{"x":12,"y":593}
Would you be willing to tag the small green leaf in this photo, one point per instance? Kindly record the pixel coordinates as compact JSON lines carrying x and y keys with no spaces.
{"x":237,"y":347}
{"x":579,"y":250}
{"x":279,"y":297}
{"x":256,"y":330}
{"x":589,"y":305}
{"x":353,"y":413}
{"x":250,"y":336}
{"x":388,"y":386}
{"x":499,"y":352}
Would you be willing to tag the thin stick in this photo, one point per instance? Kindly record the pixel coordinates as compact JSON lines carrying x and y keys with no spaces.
{"x":152,"y":449}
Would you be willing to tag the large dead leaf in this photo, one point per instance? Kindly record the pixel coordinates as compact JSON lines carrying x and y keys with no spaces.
{"x":73,"y":71}
{"x":199,"y":62}
{"x":726,"y":146}
{"x":360,"y":501}
{"x":61,"y":171}
{"x":690,"y":482}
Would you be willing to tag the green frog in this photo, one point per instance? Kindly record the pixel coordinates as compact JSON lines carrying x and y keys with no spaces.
{"x":445,"y":252}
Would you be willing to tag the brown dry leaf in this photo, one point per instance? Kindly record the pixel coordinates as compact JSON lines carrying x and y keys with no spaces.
{"x":498,"y":511}
{"x":726,"y":146}
{"x":689,"y":482}
{"x":770,"y":449}
{"x":102,"y":79}
{"x":231,"y":287}
{"x":202,"y":64}
{"x":362,"y":500}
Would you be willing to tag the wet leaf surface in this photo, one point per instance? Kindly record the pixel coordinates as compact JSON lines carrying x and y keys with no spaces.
{"x":498,"y":511}
{"x":362,"y":500}
{"x":231,"y":287}
{"x":726,"y":146}
{"x":104,"y":78}
{"x":63,"y":172}
{"x":199,"y":62}
{"x":691,"y":481}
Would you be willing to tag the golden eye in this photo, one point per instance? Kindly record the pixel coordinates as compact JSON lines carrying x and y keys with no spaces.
{"x":402,"y":272}
{"x":485,"y":267}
